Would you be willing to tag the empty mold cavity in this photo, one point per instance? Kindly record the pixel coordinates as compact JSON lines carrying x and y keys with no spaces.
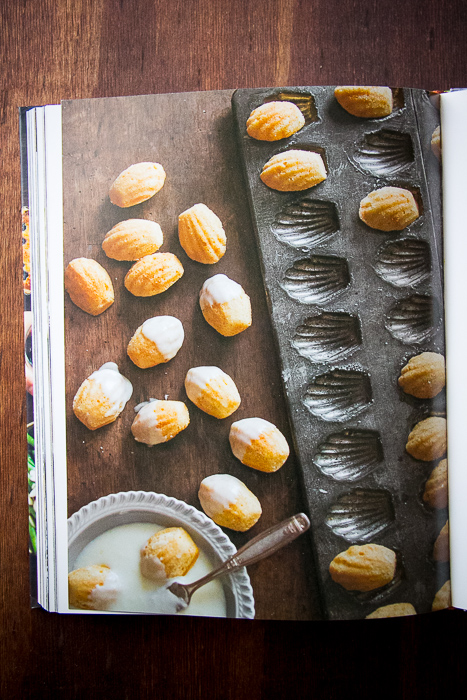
{"x":316,"y":279}
{"x":306,"y":222}
{"x":339,"y":395}
{"x":328,"y":337}
{"x":413,"y":320}
{"x":404,"y":263}
{"x":384,"y":153}
{"x":303,"y":100}
{"x":361,"y":515}
{"x":350,"y":454}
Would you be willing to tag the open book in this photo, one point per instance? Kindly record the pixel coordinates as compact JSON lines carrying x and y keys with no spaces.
{"x":235,"y":311}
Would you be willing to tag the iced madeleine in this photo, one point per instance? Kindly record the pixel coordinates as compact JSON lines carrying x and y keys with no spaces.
{"x":168,"y":553}
{"x":156,"y":341}
{"x":225,"y":305}
{"x":212,"y":390}
{"x":258,"y":444}
{"x":227,"y":500}
{"x":159,"y":421}
{"x":92,"y":587}
{"x":102,"y":397}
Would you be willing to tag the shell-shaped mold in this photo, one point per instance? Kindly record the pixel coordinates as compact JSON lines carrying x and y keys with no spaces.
{"x":361,"y":515}
{"x":404,"y":263}
{"x":339,"y":395}
{"x":384,"y":153}
{"x":305,"y":103}
{"x":328,"y":337}
{"x":413,"y":320}
{"x":350,"y":454}
{"x":306,"y":222}
{"x":316,"y":279}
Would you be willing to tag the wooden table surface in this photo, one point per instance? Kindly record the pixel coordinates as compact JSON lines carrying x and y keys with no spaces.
{"x":65,"y":50}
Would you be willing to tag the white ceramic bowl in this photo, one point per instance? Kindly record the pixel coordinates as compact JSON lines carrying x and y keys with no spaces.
{"x":145,"y":506}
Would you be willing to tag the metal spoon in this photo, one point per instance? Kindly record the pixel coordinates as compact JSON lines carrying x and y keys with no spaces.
{"x":258,"y":548}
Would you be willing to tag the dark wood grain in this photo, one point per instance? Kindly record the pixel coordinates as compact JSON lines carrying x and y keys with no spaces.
{"x":82,"y":48}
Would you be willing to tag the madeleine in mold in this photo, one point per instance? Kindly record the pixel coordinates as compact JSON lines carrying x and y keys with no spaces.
{"x":136,"y":184}
{"x":102,"y":397}
{"x":225,"y":305}
{"x":273,"y":121}
{"x":428,"y":439}
{"x":293,"y":171}
{"x":389,"y":209}
{"x":369,"y":102}
{"x":424,"y":376}
{"x":227,"y":500}
{"x":394,"y":610}
{"x":132,"y":239}
{"x":156,"y":341}
{"x":89,"y":285}
{"x":364,"y":567}
{"x":201,"y":234}
{"x":442,"y":599}
{"x":441,"y":546}
{"x":168,"y":553}
{"x":258,"y":444}
{"x":436,"y":488}
{"x":93,"y":587}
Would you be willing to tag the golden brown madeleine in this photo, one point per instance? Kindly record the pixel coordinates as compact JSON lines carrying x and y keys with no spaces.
{"x":102,"y":397}
{"x":436,"y":488}
{"x":428,"y":439}
{"x":159,"y":421}
{"x":201,"y":234}
{"x":156,"y":341}
{"x":394,"y":610}
{"x":136,"y":184}
{"x":273,"y":121}
{"x":436,"y":142}
{"x":132,"y":239}
{"x":363,"y":567}
{"x":424,"y":376}
{"x":153,"y":274}
{"x":212,"y":391}
{"x":225,"y":305}
{"x":92,"y":587}
{"x":89,"y":285}
{"x":258,"y":444}
{"x":389,"y":209}
{"x":441,"y":546}
{"x":365,"y":101}
{"x":227,"y":500}
{"x":168,"y":553}
{"x":442,"y":599}
{"x":293,"y":171}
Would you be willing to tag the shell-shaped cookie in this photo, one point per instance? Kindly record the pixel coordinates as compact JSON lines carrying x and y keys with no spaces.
{"x":361,"y":515}
{"x":307,"y":222}
{"x":428,"y":439}
{"x":227,"y":500}
{"x":159,"y":421}
{"x":393,"y":610}
{"x":102,"y":397}
{"x":225,"y":305}
{"x":369,"y":102}
{"x":389,"y":209}
{"x":293,"y":171}
{"x":201,"y":234}
{"x":212,"y":390}
{"x":89,"y":285}
{"x":364,"y":567}
{"x":441,"y":546}
{"x":258,"y":444}
{"x":317,"y":279}
{"x":132,"y":239}
{"x":328,"y":337}
{"x":153,"y":274}
{"x":384,"y":153}
{"x":93,"y":587}
{"x":436,"y":488}
{"x":442,"y":599}
{"x":436,"y":142}
{"x":424,"y":376}
{"x":156,"y":341}
{"x":273,"y":121}
{"x":168,"y":553}
{"x":136,"y":184}
{"x":413,"y":320}
{"x":339,"y":395}
{"x":404,"y":263}
{"x":350,"y":454}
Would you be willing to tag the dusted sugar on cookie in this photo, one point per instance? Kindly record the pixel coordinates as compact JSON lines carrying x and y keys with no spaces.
{"x":212,"y":390}
{"x":368,"y":102}
{"x":93,"y":587}
{"x":428,"y":439}
{"x":273,"y":121}
{"x":102,"y":397}
{"x":159,"y":421}
{"x":225,"y":305}
{"x":293,"y":171}
{"x":156,"y":341}
{"x":389,"y":209}
{"x":153,"y":274}
{"x":136,"y":184}
{"x":436,"y":142}
{"x":258,"y":444}
{"x":201,"y":234}
{"x":441,"y":546}
{"x":227,"y":500}
{"x":132,"y":239}
{"x":424,"y":376}
{"x":442,"y":599}
{"x":394,"y":610}
{"x":89,"y":285}
{"x":436,"y":488}
{"x":364,"y":567}
{"x":168,"y":553}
